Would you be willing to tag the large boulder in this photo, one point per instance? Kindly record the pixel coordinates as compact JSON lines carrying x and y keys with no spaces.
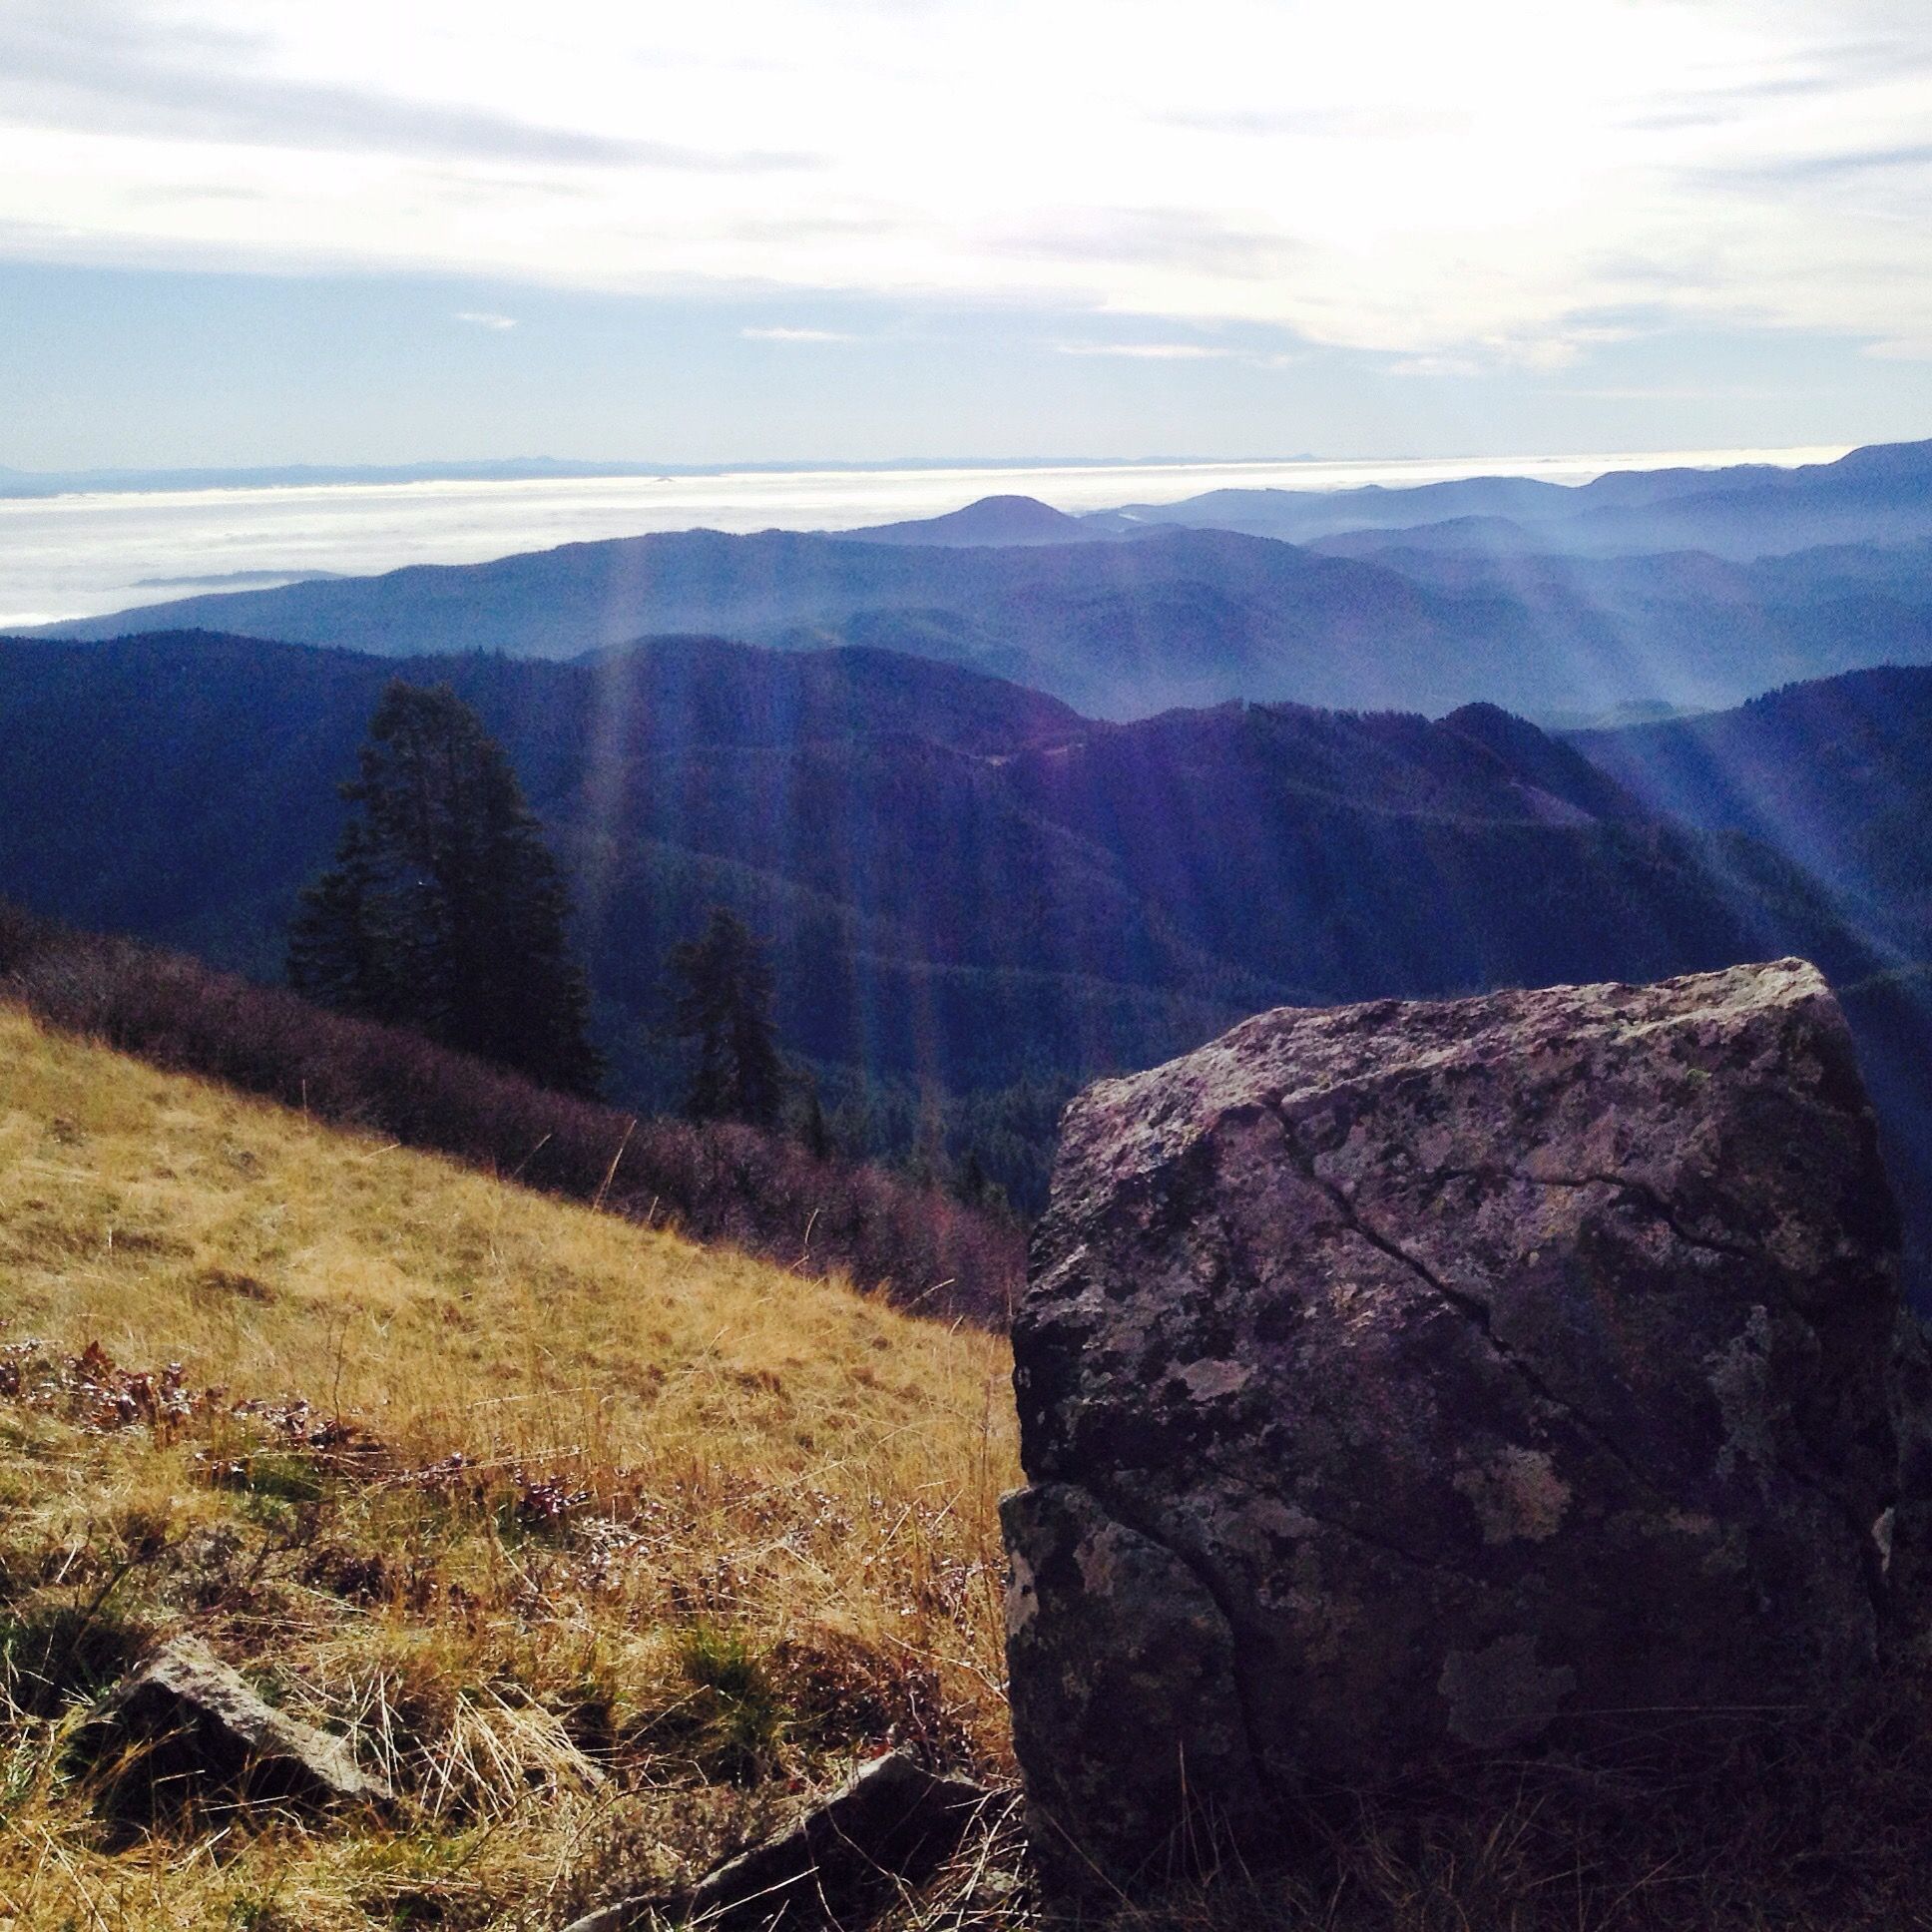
{"x":1404,"y":1382}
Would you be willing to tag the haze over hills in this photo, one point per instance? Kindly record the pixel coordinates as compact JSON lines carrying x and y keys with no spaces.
{"x":1476,"y":607}
{"x":1303,"y":515}
{"x":1118,"y":628}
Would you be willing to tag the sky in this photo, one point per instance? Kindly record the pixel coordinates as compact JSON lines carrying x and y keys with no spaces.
{"x":384,"y":230}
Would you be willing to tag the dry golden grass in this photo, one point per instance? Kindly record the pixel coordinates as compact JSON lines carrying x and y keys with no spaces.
{"x":590,"y":1537}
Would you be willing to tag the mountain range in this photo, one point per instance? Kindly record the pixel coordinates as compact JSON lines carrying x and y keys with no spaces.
{"x":1879,"y":494}
{"x":1123,"y":615}
{"x":1181,"y":617}
{"x":1017,"y":798}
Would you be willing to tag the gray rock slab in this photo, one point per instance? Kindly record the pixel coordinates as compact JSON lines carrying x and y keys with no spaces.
{"x":187,"y":1728}
{"x":893,"y":1822}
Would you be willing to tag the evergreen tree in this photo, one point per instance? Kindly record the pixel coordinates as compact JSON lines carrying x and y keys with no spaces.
{"x":337,"y":954}
{"x":444,"y":910}
{"x":977,"y":1189}
{"x":723,"y":1001}
{"x":814,"y":1131}
{"x":926,"y":1166}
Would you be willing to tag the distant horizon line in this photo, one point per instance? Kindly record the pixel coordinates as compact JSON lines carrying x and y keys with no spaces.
{"x":161,"y":479}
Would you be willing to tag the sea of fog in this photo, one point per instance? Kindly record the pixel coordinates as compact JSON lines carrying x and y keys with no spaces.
{"x":89,"y":553}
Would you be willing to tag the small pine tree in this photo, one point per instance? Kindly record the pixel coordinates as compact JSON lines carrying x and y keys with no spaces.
{"x":444,"y":910}
{"x":337,"y":956}
{"x":927,"y":1164}
{"x":977,"y":1189}
{"x":814,"y":1131}
{"x":723,"y":1002}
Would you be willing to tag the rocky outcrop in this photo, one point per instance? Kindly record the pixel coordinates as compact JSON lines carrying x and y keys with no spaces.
{"x":1400,"y":1382}
{"x":185,"y":1730}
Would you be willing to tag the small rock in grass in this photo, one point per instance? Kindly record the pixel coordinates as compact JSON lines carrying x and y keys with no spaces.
{"x":184,"y":1728}
{"x":891,"y":1823}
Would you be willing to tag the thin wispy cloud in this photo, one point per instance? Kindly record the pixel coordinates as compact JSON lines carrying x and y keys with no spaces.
{"x":117,"y":67}
{"x":1443,"y":185}
{"x":482,"y":319}
{"x":1832,"y":164}
{"x":1147,"y":351}
{"x":780,"y":332}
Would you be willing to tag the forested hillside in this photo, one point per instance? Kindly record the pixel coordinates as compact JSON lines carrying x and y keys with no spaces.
{"x":974,"y":898}
{"x":1836,"y":772}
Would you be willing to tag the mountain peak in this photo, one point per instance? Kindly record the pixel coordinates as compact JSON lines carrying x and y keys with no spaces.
{"x":992,"y":521}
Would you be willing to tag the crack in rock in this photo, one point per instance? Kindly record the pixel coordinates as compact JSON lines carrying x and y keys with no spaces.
{"x":1505,"y":1414}
{"x":1354,"y":1532}
{"x":1123,"y":1512}
{"x":1633,"y":1189}
{"x":1475,"y":1311}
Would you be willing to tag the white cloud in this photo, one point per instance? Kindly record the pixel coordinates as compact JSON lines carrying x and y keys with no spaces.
{"x":1679,"y":392}
{"x":777,"y":332}
{"x":477,"y":319}
{"x":1495,"y":181}
{"x":1150,"y":351}
{"x":1435,"y":365}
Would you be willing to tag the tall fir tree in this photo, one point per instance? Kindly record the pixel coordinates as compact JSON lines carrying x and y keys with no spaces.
{"x":444,"y":910}
{"x":723,"y":1002}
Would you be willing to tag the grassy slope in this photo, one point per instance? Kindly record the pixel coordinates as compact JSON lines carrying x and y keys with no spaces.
{"x":715,"y":1527}
{"x":784,"y":1553}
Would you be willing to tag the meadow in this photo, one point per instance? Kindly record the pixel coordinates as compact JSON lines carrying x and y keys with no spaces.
{"x":599,"y":1544}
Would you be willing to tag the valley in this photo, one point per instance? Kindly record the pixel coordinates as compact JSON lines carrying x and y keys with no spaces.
{"x":975,"y":898}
